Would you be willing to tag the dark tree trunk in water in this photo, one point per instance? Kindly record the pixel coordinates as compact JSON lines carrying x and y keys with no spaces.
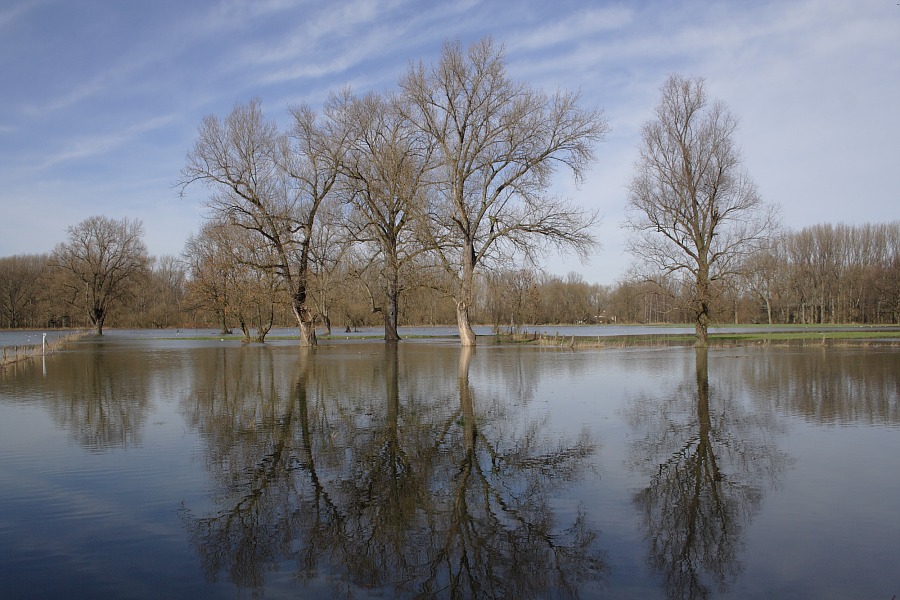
{"x":701,"y":308}
{"x":391,"y":313}
{"x":223,"y":326}
{"x":97,"y":315}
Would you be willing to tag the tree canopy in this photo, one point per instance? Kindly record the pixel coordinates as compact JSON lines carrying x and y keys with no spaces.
{"x":101,"y":258}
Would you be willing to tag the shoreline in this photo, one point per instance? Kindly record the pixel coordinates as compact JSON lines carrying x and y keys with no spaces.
{"x":748,"y":335}
{"x":11,"y":355}
{"x":720,"y":340}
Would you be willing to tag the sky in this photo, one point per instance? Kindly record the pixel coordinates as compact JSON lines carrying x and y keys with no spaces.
{"x":100,"y":100}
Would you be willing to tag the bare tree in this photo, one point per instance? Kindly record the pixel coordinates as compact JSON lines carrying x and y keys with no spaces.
{"x":385,"y":169}
{"x":222,"y":261}
{"x":328,"y":257}
{"x":692,"y":209}
{"x":312,"y":151}
{"x":211,"y":276}
{"x":271,"y":185}
{"x":761,"y":272}
{"x":498,"y":144}
{"x":101,"y":258}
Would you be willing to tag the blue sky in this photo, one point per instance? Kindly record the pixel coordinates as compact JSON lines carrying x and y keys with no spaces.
{"x":100,"y":100}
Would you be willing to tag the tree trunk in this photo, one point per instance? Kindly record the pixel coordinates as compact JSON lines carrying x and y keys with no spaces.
{"x":391,"y":314}
{"x":223,"y":326}
{"x":701,"y":320}
{"x":390,"y":327}
{"x":244,"y":329}
{"x":466,"y":296}
{"x":466,"y":334}
{"x":97,"y":315}
{"x":304,"y":319}
{"x":307,"y":329}
{"x":701,"y":330}
{"x":264,"y":324}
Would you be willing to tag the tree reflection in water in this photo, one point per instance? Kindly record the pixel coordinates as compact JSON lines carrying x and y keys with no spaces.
{"x":709,"y":461}
{"x":101,"y":397}
{"x":350,"y":481}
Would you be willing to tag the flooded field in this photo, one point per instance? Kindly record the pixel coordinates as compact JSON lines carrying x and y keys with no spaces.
{"x":151,"y":467}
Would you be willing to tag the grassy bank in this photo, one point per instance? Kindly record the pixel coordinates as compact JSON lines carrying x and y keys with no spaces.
{"x":855,"y":337}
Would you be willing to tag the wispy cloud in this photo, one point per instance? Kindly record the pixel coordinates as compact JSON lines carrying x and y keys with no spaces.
{"x":11,"y":14}
{"x":85,"y":90}
{"x":338,"y":35}
{"x":572,"y":28}
{"x":118,"y":76}
{"x":227,"y":15}
{"x":94,"y":145}
{"x":316,"y":32}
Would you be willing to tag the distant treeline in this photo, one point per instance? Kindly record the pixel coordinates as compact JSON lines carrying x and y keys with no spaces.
{"x":820,"y":274}
{"x":817,"y":275}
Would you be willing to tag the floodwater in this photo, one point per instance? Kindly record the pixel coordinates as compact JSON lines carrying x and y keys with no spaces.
{"x":146,"y":468}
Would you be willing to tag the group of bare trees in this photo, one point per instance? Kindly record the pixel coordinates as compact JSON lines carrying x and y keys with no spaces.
{"x":830,"y":274}
{"x":821,"y":274}
{"x":432,"y":203}
{"x":448,"y":175}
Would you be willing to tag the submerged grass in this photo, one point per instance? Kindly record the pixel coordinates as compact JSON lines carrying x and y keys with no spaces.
{"x":855,"y":337}
{"x":752,"y":334}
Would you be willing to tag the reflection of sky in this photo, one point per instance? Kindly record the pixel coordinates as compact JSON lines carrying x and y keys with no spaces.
{"x":834,"y":514}
{"x":87,"y":510}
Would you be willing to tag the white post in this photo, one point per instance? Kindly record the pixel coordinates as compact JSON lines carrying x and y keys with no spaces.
{"x":44,"y":345}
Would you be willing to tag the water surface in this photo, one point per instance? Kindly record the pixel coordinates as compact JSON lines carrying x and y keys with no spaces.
{"x":207,"y":469}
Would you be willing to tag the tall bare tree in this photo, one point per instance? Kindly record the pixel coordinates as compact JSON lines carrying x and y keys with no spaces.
{"x":692,"y":209}
{"x":385,"y":168}
{"x":498,"y":144}
{"x":101,"y":258}
{"x":272,"y":185}
{"x":329,"y":248}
